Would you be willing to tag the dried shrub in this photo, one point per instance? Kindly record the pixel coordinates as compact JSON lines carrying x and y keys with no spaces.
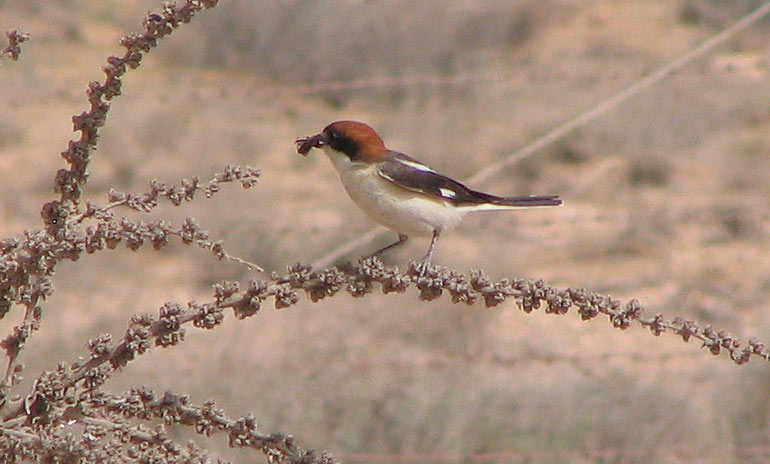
{"x":68,"y":415}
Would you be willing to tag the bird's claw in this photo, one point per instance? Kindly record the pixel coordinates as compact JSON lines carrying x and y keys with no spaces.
{"x":421,"y":268}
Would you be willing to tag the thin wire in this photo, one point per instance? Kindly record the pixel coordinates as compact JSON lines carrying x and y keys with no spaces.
{"x":569,"y":126}
{"x":621,"y":97}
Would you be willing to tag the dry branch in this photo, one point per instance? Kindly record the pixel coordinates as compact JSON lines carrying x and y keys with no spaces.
{"x":27,"y":265}
{"x":73,"y":391}
{"x":68,"y":416}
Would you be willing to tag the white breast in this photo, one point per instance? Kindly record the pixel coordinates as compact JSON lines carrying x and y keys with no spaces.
{"x":394,"y":207}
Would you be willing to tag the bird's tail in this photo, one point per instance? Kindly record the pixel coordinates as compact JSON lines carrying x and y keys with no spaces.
{"x":491,"y":202}
{"x":530,"y":201}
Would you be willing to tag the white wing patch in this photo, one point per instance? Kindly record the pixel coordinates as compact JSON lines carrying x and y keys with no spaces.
{"x":416,"y":165}
{"x":447,"y":193}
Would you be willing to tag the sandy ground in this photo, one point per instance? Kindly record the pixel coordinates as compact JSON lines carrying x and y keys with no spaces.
{"x":665,"y":201}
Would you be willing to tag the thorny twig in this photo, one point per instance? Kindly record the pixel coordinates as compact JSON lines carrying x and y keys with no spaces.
{"x":72,"y":390}
{"x":69,"y":182}
{"x":26,"y":265}
{"x":529,"y":295}
{"x":146,"y":202}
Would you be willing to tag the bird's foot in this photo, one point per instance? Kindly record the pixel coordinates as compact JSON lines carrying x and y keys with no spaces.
{"x":420,"y":269}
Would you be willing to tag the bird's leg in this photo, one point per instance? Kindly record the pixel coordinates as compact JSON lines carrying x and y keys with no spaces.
{"x":423,"y":266}
{"x":401,"y":239}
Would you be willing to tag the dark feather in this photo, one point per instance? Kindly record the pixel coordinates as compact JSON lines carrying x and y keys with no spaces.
{"x":529,"y":201}
{"x":412,"y":175}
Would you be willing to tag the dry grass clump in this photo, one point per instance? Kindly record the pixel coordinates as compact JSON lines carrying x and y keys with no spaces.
{"x":315,"y":41}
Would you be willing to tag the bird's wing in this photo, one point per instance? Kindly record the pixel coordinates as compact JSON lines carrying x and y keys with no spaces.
{"x":408,"y":173}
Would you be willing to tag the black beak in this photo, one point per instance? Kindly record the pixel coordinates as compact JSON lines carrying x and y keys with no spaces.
{"x":305,"y":144}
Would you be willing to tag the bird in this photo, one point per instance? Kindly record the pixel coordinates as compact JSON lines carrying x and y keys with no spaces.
{"x":401,"y":193}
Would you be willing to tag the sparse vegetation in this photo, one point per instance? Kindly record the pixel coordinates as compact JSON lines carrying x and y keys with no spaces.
{"x":666,"y":201}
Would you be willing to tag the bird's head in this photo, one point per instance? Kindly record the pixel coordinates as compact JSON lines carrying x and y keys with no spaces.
{"x":356,"y":140}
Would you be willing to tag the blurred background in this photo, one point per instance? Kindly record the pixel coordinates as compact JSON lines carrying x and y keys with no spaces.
{"x":666,"y":200}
